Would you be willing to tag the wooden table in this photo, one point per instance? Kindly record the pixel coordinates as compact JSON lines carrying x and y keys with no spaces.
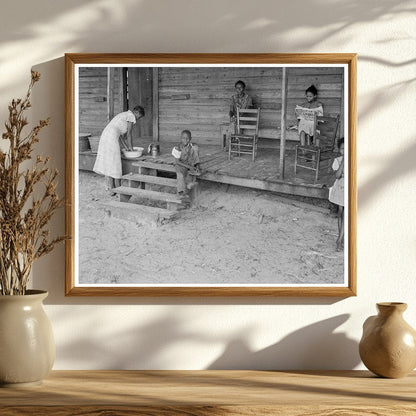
{"x":254,"y":393}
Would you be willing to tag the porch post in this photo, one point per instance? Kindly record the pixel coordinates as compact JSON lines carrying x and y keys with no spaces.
{"x":283,"y":124}
{"x":155,"y":112}
{"x":124,"y":88}
{"x":110,"y":93}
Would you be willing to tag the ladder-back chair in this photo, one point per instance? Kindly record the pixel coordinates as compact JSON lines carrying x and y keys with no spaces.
{"x":244,"y":141}
{"x":311,"y":156}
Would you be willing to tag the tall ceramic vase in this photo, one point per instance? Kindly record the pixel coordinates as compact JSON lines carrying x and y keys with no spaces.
{"x":27,"y":347}
{"x":388,"y":344}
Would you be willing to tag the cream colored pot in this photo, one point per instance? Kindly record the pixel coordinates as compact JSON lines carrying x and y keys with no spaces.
{"x":27,"y":347}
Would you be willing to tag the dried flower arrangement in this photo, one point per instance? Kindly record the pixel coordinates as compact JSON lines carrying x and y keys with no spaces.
{"x":28,"y":200}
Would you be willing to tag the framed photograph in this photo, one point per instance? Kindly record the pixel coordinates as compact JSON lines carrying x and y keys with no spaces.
{"x":211,"y":174}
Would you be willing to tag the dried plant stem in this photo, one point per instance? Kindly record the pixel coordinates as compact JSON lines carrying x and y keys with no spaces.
{"x":23,"y":217}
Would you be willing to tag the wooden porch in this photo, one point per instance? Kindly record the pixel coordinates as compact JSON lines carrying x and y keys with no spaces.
{"x":261,"y":174}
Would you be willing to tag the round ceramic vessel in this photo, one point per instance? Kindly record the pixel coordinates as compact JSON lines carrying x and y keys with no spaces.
{"x":388,"y":345}
{"x":132,"y":154}
{"x":27,"y":347}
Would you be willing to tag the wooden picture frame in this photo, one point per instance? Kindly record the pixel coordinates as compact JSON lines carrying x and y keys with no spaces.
{"x":160,"y":64}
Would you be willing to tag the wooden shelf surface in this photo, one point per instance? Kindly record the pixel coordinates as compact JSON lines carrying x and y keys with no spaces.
{"x":203,"y":393}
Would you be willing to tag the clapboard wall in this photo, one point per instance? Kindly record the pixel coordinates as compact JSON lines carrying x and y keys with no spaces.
{"x":198,"y":98}
{"x":330,"y":83}
{"x":93,"y":98}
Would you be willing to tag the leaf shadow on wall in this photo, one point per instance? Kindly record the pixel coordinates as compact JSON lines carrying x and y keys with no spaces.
{"x":216,"y":26}
{"x":50,"y":270}
{"x":53,"y":144}
{"x":316,"y":346}
{"x":393,"y":169}
{"x":144,"y":346}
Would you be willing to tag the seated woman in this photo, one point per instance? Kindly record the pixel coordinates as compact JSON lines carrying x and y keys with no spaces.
{"x":305,"y":114}
{"x":108,"y":161}
{"x":239,"y":100}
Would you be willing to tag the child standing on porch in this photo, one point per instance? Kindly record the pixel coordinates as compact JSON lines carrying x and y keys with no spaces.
{"x":336,"y":192}
{"x":305,"y":114}
{"x":186,"y":161}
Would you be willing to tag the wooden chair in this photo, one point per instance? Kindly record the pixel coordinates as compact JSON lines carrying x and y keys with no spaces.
{"x":311,"y":156}
{"x":244,"y":141}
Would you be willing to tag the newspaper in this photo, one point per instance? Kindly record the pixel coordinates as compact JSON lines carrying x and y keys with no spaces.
{"x":305,"y":113}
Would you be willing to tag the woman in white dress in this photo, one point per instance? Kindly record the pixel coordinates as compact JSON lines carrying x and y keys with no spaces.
{"x":108,"y":160}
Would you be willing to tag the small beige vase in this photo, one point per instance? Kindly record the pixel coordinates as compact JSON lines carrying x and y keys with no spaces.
{"x":388,"y":344}
{"x":27,"y":347}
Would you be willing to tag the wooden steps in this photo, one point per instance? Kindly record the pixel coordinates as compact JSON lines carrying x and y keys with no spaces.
{"x":155,"y":180}
{"x":143,"y":186}
{"x":145,"y":193}
{"x":173,"y":202}
{"x":139,"y":214}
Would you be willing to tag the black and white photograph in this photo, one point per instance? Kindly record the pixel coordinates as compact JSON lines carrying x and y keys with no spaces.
{"x":211,"y":175}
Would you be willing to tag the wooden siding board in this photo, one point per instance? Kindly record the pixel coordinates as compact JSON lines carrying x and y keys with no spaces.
{"x":92,"y":88}
{"x":206,"y":94}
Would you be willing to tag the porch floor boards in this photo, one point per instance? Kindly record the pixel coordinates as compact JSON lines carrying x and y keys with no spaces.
{"x":263,"y":173}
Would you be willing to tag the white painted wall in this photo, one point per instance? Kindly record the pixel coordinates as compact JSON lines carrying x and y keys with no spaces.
{"x":194,"y":333}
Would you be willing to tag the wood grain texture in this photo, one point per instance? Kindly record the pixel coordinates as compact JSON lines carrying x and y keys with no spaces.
{"x":332,"y":93}
{"x":95,"y":104}
{"x":341,"y":292}
{"x":283,"y":123}
{"x":69,"y":172}
{"x":211,"y":58}
{"x":203,"y":393}
{"x":352,"y":175}
{"x":155,"y":109}
{"x":209,"y":90}
{"x":258,"y":410}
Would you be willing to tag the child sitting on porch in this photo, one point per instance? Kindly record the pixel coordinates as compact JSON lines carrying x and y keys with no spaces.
{"x":305,"y":114}
{"x":336,"y":192}
{"x":186,"y":161}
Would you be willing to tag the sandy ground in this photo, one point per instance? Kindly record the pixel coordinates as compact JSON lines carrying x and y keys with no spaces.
{"x":235,"y":236}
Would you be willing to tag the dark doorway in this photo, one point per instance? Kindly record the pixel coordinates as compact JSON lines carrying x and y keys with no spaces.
{"x":140,"y":92}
